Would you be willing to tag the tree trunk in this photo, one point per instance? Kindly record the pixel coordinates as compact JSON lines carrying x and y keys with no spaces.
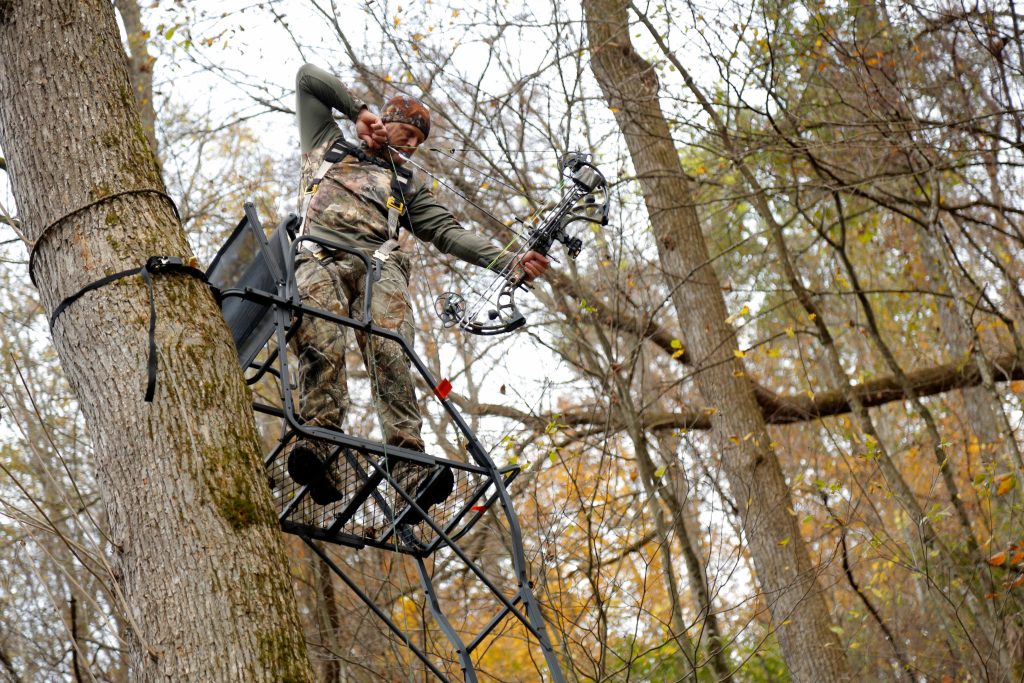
{"x":198,"y":547}
{"x":786,"y":575}
{"x":140,"y":68}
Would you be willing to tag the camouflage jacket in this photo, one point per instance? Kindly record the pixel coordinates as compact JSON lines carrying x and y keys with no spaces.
{"x":350,"y":205}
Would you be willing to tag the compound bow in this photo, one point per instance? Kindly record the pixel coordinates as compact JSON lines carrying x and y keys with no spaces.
{"x":494,"y":311}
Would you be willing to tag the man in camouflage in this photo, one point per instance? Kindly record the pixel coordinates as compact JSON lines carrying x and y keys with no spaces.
{"x":350,"y":207}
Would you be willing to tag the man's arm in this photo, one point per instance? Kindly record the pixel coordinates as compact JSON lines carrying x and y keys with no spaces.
{"x":433,"y":223}
{"x":317,"y":93}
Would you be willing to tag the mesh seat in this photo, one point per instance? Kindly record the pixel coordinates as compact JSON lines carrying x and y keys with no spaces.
{"x":249,"y":263}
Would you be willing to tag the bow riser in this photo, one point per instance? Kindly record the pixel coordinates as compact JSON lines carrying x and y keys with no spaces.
{"x":487,"y":318}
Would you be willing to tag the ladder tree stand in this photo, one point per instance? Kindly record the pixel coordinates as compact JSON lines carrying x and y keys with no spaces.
{"x":254,"y":279}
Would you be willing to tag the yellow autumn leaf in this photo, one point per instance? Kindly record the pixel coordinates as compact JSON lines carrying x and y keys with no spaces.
{"x":773,"y":353}
{"x":739,"y":354}
{"x":1005,"y":483}
{"x":660,"y":472}
{"x":784,"y":542}
{"x":790,"y":332}
{"x":737,"y":314}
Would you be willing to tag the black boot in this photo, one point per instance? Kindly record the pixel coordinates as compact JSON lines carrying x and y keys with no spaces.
{"x":307,"y":466}
{"x":427,"y":485}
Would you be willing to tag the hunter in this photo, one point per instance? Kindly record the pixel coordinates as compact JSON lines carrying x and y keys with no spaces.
{"x":362,"y":200}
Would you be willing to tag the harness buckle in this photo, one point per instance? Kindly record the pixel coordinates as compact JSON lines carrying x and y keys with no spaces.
{"x":396,"y":205}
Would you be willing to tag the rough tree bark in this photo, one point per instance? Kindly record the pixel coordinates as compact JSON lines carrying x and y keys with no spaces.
{"x":786,"y":575}
{"x":199,"y":552}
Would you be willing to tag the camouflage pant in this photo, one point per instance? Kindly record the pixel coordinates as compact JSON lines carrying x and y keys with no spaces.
{"x":336,"y":285}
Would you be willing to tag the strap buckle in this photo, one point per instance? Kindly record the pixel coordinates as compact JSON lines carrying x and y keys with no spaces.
{"x":383,"y":252}
{"x":396,"y":205}
{"x":155,"y":264}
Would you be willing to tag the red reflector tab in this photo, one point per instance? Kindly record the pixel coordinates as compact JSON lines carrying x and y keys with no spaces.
{"x":443,"y":388}
{"x":478,"y":508}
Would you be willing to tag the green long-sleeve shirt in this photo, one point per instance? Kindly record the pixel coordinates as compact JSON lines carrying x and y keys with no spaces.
{"x":341,"y":212}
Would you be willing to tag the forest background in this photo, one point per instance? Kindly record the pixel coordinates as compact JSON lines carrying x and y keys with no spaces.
{"x":771,"y":422}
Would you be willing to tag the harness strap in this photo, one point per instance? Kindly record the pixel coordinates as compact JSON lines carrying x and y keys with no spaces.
{"x":154,"y":264}
{"x":396,"y":209}
{"x":337,"y":152}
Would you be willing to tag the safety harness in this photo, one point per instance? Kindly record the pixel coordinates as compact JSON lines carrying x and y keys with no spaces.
{"x":396,"y":209}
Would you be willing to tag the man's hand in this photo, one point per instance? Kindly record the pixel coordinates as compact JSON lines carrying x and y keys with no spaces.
{"x":370,"y":129}
{"x":533,"y":264}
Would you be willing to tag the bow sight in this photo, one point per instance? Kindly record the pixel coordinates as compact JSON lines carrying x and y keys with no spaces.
{"x":493,"y":310}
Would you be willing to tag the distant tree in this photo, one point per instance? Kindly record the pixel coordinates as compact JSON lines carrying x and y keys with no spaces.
{"x":785,"y":573}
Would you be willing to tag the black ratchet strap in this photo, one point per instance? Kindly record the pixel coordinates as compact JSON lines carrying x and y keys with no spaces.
{"x":154,"y":264}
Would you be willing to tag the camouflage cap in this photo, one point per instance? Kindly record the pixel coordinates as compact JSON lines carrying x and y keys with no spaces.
{"x":404,"y":109}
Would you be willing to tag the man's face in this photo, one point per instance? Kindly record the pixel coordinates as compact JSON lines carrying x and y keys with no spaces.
{"x":404,"y":138}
